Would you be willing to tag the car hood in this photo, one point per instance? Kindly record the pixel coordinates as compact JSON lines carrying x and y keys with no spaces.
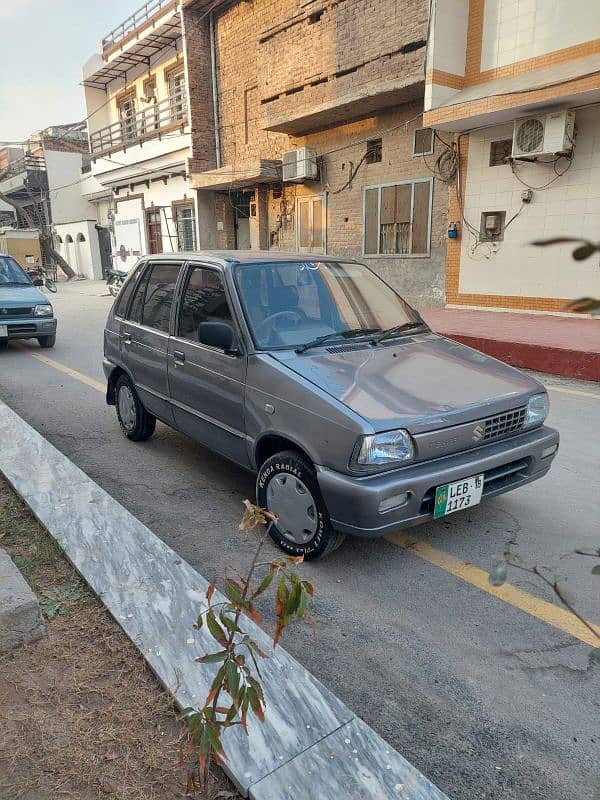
{"x":21,"y":295}
{"x":419,"y":382}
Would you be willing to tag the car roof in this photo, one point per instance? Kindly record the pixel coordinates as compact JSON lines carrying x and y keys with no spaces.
{"x":223,"y":258}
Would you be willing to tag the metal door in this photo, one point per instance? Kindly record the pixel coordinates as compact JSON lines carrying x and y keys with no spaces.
{"x":105,"y":245}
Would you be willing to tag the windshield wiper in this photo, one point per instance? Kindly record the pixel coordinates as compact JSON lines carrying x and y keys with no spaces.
{"x":398,"y":329}
{"x":14,"y":283}
{"x":345,"y":334}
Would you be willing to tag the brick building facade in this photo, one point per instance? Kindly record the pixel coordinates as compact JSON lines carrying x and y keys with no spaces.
{"x":344,"y":78}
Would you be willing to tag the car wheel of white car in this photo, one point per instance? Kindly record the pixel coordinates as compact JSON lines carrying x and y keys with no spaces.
{"x":136,"y":423}
{"x":287,"y":486}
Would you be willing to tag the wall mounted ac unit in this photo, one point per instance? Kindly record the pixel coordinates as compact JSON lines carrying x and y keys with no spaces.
{"x":299,"y":165}
{"x":544,"y":134}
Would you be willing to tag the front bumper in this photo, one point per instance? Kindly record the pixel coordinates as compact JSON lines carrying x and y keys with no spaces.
{"x":28,"y":327}
{"x":354,"y":502}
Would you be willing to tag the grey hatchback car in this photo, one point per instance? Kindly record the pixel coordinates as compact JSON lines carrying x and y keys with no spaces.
{"x":316,"y":375}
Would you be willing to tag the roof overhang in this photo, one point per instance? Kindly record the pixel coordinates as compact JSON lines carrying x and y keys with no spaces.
{"x":138,"y":53}
{"x":248,"y":174}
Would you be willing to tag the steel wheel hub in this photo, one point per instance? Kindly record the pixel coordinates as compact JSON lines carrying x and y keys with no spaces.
{"x":127,"y":410}
{"x":293,"y":504}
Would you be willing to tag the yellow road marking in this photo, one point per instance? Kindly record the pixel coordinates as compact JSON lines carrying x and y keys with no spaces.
{"x":576,"y":392}
{"x":72,"y":373}
{"x":534,"y":606}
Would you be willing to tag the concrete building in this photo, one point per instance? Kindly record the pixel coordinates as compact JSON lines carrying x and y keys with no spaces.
{"x":136,"y":94}
{"x":194,"y":106}
{"x":44,"y":178}
{"x":519,"y":86}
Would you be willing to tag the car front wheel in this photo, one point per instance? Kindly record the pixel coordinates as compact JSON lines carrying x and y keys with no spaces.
{"x":47,"y":341}
{"x":136,"y":423}
{"x":287,"y":486}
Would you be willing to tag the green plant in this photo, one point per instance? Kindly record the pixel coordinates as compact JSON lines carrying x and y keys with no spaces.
{"x":550,"y":577}
{"x":584,"y":249}
{"x":238,"y":675}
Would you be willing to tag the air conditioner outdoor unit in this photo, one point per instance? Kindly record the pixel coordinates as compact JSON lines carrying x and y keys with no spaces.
{"x":544,"y":134}
{"x":300,"y":165}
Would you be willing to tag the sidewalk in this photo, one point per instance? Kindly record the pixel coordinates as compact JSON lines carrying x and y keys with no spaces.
{"x":567,"y":346}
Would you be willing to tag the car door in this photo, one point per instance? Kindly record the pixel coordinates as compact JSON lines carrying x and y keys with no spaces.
{"x":145,"y":336}
{"x":207,"y":384}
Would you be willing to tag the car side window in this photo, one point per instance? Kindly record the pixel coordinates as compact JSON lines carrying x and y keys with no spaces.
{"x":158,"y":300}
{"x":137,"y":302}
{"x":127,"y":291}
{"x":204,"y":300}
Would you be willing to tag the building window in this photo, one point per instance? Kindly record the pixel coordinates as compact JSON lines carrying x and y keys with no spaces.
{"x":499,"y":152}
{"x":374,"y":149}
{"x":80,"y":237}
{"x":310,"y":224}
{"x":397,"y":218}
{"x":126,"y":108}
{"x":154,"y":229}
{"x":423,"y":142}
{"x":176,"y":83}
{"x":185,"y":222}
{"x":158,"y":299}
{"x":149,"y":113}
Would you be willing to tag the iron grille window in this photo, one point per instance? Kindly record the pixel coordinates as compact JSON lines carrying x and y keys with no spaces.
{"x":374,"y":151}
{"x":423,"y":142}
{"x":185,"y":221}
{"x":177,"y":95}
{"x":500,"y":151}
{"x":397,"y":218}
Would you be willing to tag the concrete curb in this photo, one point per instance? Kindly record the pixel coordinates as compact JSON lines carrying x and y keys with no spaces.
{"x":20,"y":616}
{"x":311,"y":745}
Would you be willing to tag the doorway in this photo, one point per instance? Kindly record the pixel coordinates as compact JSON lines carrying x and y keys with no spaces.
{"x":311,"y":224}
{"x":105,"y":245}
{"x":241,"y":218}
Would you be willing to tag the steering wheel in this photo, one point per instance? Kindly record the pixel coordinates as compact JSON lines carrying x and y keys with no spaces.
{"x":268,"y":326}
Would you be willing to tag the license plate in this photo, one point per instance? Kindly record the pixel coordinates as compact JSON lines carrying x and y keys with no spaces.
{"x":456,"y":496}
{"x":4,"y":330}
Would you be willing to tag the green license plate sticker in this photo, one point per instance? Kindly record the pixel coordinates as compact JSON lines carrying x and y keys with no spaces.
{"x":457,"y":496}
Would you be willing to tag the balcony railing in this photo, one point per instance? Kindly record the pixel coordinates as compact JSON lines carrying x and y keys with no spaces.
{"x":145,"y":124}
{"x":26,"y":164}
{"x":138,"y":18}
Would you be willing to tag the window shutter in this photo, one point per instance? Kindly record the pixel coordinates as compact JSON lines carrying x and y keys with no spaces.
{"x":420,"y":231}
{"x":371,"y":225}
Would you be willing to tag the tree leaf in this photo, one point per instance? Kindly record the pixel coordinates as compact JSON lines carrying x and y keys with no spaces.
{"x":215,"y":629}
{"x":264,"y":584}
{"x":584,"y":251}
{"x":557,"y":240}
{"x":596,"y":570}
{"x":212,"y":658}
{"x":498,"y":573}
{"x":233,"y":591}
{"x":594,"y":655}
{"x":564,"y":594}
{"x":210,"y":591}
{"x":233,"y":678}
{"x":229,"y":623}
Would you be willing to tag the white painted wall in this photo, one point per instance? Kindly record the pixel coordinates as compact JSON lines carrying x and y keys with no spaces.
{"x":569,"y":207}
{"x":130,"y":219}
{"x":83,"y":257}
{"x":448,"y":36}
{"x":514,"y":31}
{"x":64,"y":183}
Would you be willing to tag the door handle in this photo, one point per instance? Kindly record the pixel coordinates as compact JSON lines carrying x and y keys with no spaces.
{"x":178,"y":357}
{"x":126,"y":338}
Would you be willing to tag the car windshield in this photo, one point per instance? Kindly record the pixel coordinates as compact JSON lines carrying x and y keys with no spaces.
{"x":11,"y":273}
{"x":291,"y":304}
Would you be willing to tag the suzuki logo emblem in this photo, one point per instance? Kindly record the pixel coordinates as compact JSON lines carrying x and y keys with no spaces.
{"x":478,"y":433}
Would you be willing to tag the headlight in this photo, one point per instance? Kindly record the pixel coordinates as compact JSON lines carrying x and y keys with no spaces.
{"x":538,"y":406}
{"x":44,"y":310}
{"x":381,"y":450}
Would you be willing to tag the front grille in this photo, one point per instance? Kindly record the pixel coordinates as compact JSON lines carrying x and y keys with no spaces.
{"x":493,"y":480}
{"x":12,"y":313}
{"x":22,"y":330}
{"x":502,"y":424}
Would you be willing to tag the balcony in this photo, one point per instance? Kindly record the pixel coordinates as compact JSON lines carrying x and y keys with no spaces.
{"x":24,"y":175}
{"x":143,"y":16}
{"x":150,"y":123}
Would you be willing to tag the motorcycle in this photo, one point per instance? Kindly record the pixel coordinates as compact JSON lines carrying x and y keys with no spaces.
{"x":40,"y":278}
{"x":116,"y":279}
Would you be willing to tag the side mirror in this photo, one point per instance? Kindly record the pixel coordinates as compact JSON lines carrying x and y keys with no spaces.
{"x":217,"y":334}
{"x":38,"y":282}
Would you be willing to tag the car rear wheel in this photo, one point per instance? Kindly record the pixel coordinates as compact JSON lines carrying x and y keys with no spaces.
{"x":136,"y":423}
{"x":47,"y":341}
{"x":287,"y":486}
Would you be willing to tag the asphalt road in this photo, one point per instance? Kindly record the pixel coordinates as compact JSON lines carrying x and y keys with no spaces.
{"x":487,"y":700}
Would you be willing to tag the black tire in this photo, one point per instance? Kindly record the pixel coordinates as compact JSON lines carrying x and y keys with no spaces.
{"x":139,"y":425}
{"x":47,"y":341}
{"x":3,"y":344}
{"x":325,"y":539}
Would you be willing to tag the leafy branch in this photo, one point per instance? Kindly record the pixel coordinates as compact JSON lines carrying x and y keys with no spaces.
{"x":584,"y":249}
{"x":499,"y":574}
{"x":238,"y":675}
